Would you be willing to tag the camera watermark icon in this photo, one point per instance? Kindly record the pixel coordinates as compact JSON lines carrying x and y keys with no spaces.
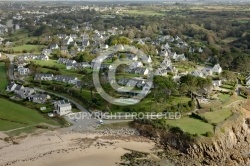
{"x":138,"y":95}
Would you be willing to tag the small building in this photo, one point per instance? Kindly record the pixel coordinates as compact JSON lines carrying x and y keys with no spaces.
{"x":216,"y":83}
{"x":44,"y":77}
{"x":62,"y":108}
{"x":11,"y":87}
{"x":217,"y":69}
{"x":39,"y":98}
{"x":23,"y":71}
{"x":25,"y":92}
{"x":54,"y":46}
{"x":248,"y":80}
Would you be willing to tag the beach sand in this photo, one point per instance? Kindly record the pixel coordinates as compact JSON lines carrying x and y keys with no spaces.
{"x":55,"y":148}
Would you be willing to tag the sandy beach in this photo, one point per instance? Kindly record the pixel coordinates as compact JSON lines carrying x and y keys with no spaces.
{"x":54,"y":147}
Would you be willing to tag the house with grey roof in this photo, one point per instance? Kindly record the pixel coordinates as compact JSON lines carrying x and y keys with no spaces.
{"x":85,"y":43}
{"x":44,"y":77}
{"x":18,"y":88}
{"x":25,"y":92}
{"x":46,"y":52}
{"x":141,"y":71}
{"x":54,"y":46}
{"x":146,"y":59}
{"x":11,"y":87}
{"x":132,"y":82}
{"x":39,"y":98}
{"x":161,"y":72}
{"x":23,"y":71}
{"x":66,"y":79}
{"x":65,"y":61}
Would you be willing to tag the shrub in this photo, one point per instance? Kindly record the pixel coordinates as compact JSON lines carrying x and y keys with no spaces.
{"x":209,"y":134}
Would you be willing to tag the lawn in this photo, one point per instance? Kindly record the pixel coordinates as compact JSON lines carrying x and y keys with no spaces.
{"x":191,"y":125}
{"x":62,"y":68}
{"x":28,"y":48}
{"x":3,"y":78}
{"x":51,"y":63}
{"x":148,"y":105}
{"x":14,"y":116}
{"x":217,"y":116}
{"x":224,"y":97}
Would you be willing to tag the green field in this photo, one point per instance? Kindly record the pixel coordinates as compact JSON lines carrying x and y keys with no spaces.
{"x":224,"y":97}
{"x":191,"y":125}
{"x":49,"y":63}
{"x":218,"y":115}
{"x":144,"y":12}
{"x":28,"y":48}
{"x":13,"y":116}
{"x":3,"y":78}
{"x":62,"y":68}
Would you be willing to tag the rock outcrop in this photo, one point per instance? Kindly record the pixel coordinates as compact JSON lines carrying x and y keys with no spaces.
{"x":230,"y":145}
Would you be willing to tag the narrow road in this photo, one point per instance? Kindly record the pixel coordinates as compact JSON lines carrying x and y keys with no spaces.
{"x":11,"y":67}
{"x":81,"y":108}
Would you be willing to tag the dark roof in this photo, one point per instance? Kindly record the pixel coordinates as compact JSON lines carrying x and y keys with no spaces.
{"x":18,"y":87}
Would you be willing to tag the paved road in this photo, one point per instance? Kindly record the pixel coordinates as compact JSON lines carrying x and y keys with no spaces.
{"x":11,"y":72}
{"x":79,"y":121}
{"x":81,"y":108}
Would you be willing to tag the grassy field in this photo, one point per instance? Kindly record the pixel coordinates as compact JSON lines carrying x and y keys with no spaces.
{"x":13,"y":116}
{"x":62,"y":68}
{"x":144,"y":12}
{"x":218,"y":116}
{"x":191,"y":125}
{"x":224,"y":97}
{"x":28,"y":48}
{"x":147,"y":104}
{"x":3,"y":78}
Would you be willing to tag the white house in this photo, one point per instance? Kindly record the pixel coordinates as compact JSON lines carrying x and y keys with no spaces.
{"x":23,"y":71}
{"x":146,"y":59}
{"x":85,"y":43}
{"x":136,"y":64}
{"x":248,"y":80}
{"x":11,"y":87}
{"x":132,"y":57}
{"x":217,"y":69}
{"x":54,"y":46}
{"x":164,"y":53}
{"x":62,"y":108}
{"x":48,"y":77}
{"x":104,"y":46}
{"x":216,"y":83}
{"x":141,"y":71}
{"x":166,"y":62}
{"x":161,"y":72}
{"x":46,"y":52}
{"x":197,"y":73}
{"x":68,"y":40}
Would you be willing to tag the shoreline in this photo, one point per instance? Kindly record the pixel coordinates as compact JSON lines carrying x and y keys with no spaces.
{"x":71,"y":148}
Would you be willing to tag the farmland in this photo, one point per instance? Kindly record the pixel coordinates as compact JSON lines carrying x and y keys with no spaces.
{"x":13,"y":116}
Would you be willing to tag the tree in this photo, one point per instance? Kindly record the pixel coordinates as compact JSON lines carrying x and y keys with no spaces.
{"x":88,"y":83}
